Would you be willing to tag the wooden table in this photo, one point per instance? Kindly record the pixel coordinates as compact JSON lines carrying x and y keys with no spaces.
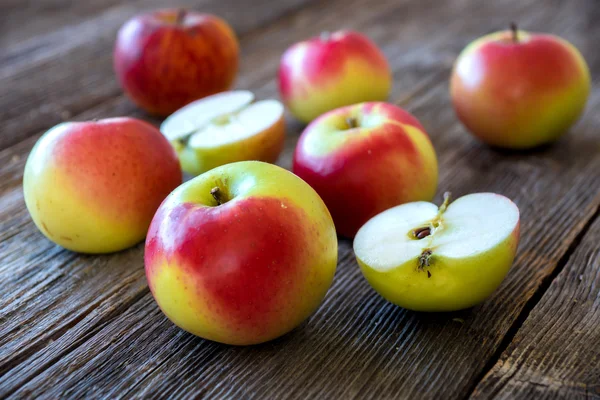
{"x":86,"y":326}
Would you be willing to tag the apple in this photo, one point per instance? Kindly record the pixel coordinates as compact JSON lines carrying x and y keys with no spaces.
{"x":518,"y":90}
{"x":425,"y":258}
{"x":225,"y":128}
{"x":93,"y":187}
{"x":167,"y":58}
{"x":241,"y":254}
{"x":365,"y":158}
{"x":330,"y":71}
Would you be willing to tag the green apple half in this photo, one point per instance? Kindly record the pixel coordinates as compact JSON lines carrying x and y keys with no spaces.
{"x":224,"y":128}
{"x":425,"y":258}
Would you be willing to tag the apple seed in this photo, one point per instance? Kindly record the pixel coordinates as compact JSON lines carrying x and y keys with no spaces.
{"x":422,"y":232}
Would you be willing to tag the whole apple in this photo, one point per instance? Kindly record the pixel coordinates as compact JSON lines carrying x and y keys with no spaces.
{"x":168,"y":58}
{"x":517,"y":90}
{"x":330,"y":71}
{"x":364,"y":159}
{"x":241,"y":254}
{"x":425,"y":258}
{"x":93,"y":187}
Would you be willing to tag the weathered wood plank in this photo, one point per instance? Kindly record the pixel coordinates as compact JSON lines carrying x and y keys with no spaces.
{"x":90,"y":328}
{"x":556,"y":354}
{"x":21,"y":21}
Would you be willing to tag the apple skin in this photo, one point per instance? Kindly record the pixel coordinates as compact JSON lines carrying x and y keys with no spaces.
{"x":361,"y":172}
{"x":327,"y":72}
{"x":246,"y":271}
{"x":93,"y":187}
{"x":519,"y":95}
{"x":456,"y":284}
{"x":163,"y":63}
{"x":265,"y":146}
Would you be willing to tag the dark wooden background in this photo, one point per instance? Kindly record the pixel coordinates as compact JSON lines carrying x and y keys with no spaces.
{"x":81,"y":326}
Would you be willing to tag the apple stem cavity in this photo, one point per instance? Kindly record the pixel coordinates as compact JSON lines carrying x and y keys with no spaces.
{"x":515,"y":32}
{"x":351,"y":122}
{"x":180,"y":16}
{"x":217,"y":195}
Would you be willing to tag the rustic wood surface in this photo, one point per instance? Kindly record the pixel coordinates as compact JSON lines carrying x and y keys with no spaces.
{"x":74,"y":326}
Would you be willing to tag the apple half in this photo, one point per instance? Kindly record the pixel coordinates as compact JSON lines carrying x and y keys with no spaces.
{"x":425,"y":258}
{"x":224,"y":128}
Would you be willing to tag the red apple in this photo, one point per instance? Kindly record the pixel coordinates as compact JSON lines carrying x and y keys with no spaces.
{"x":241,"y":254}
{"x":518,"y":90}
{"x":168,"y":58}
{"x":330,"y":71}
{"x":364,"y":159}
{"x":93,"y":187}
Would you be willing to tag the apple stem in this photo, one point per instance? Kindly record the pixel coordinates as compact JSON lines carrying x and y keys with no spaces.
{"x":515,"y":32}
{"x":180,"y":16}
{"x":351,"y":122}
{"x":216,"y":194}
{"x":325,"y":35}
{"x":445,"y":204}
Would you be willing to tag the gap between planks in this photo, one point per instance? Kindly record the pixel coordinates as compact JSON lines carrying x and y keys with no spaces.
{"x":533,"y":301}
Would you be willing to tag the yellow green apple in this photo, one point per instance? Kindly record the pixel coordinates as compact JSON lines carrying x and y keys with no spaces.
{"x":365,"y":158}
{"x":425,"y":258}
{"x":93,"y":187}
{"x":241,"y":254}
{"x":330,"y":71}
{"x":225,"y":128}
{"x":517,"y":90}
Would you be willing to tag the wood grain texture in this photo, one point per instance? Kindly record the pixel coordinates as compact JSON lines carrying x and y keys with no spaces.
{"x":80,"y":326}
{"x":555,"y":355}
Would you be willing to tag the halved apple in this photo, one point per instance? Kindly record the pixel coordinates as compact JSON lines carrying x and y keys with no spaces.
{"x":225,"y":128}
{"x":425,"y":258}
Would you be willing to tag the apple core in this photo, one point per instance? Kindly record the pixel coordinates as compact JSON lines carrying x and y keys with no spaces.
{"x":429,"y":258}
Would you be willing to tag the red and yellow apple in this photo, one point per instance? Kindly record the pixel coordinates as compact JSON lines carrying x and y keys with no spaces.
{"x":93,"y":187}
{"x":518,"y":90}
{"x":330,"y":71}
{"x":365,"y":158}
{"x":224,"y":128}
{"x":241,"y":254}
{"x":168,"y":58}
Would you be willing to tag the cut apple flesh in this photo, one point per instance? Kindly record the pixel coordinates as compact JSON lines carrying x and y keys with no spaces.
{"x":200,"y":113}
{"x":471,"y":225}
{"x":228,"y":128}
